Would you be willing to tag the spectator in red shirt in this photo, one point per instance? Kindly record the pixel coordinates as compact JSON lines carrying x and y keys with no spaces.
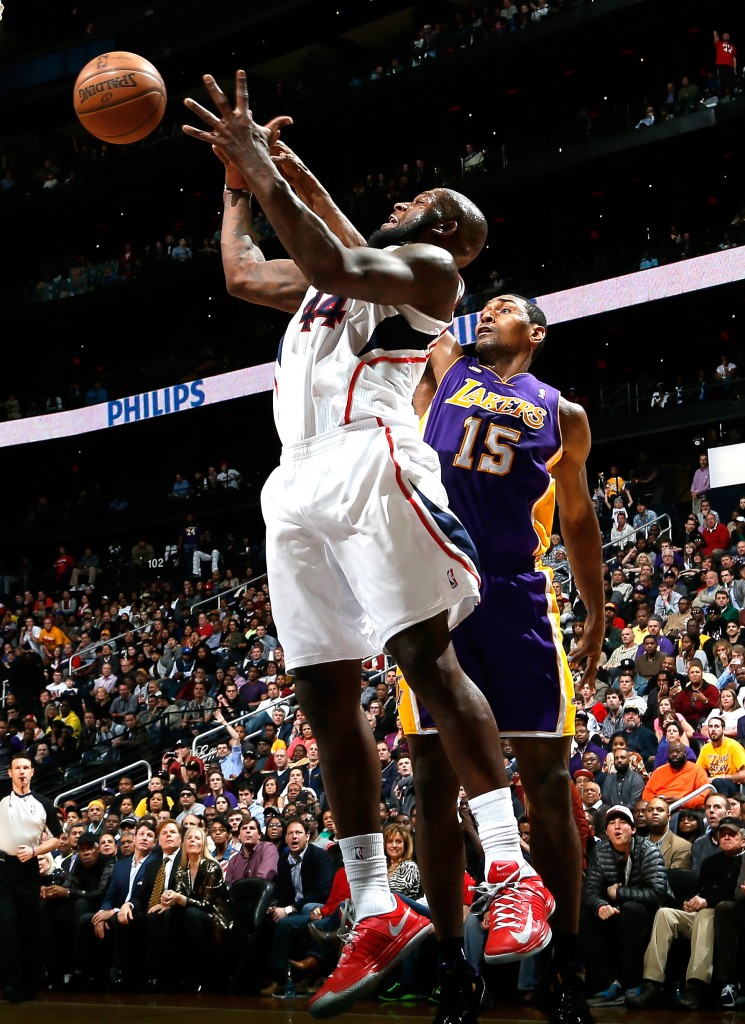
{"x":716,"y":536}
{"x":42,"y":603}
{"x":63,"y":566}
{"x":205,"y":630}
{"x":726,"y":63}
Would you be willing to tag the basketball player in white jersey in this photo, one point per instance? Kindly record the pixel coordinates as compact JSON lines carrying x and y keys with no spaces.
{"x":362,"y":550}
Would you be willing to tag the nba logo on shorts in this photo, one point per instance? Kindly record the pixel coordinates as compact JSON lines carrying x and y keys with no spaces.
{"x":451,"y":579}
{"x":359,"y":853}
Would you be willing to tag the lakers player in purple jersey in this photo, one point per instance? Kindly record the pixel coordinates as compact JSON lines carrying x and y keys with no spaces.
{"x":362,"y":550}
{"x":509,"y":445}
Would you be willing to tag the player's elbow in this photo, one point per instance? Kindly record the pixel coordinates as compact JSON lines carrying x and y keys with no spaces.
{"x":235,"y":282}
{"x":233,"y":289}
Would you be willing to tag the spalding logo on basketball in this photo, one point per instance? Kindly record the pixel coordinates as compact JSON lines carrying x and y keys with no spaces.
{"x":120,"y":97}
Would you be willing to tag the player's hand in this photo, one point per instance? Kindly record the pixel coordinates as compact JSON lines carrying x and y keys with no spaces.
{"x":586,"y":655}
{"x":233,"y":130}
{"x":233,"y":177}
{"x":289,"y":164}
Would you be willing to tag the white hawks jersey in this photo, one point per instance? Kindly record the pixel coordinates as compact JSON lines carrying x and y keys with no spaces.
{"x":344,"y":361}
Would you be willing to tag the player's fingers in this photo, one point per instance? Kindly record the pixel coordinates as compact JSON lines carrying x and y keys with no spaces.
{"x":280,"y":121}
{"x":275,"y":125}
{"x":217,"y":95}
{"x":205,"y":115}
{"x":577,"y":656}
{"x":196,"y":133}
{"x":574,"y":656}
{"x":241,"y":92}
{"x":590,"y":672}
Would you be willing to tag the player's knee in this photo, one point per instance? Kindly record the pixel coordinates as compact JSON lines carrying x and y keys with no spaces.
{"x":551,"y":785}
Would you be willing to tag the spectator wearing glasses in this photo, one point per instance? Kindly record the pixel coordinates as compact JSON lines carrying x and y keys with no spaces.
{"x":188,"y":803}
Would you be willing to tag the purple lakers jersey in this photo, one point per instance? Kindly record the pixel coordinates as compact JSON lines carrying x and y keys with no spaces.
{"x":482,"y":427}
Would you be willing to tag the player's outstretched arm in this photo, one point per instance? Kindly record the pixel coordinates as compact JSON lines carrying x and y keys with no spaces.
{"x":421,"y":275}
{"x":310,"y":190}
{"x":580,"y":530}
{"x":248,"y":275}
{"x":276,"y":283}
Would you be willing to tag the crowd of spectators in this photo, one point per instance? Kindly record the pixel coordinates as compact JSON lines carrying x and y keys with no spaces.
{"x":179,"y":696}
{"x":187,"y":682}
{"x":659,"y":747}
{"x":466,"y":29}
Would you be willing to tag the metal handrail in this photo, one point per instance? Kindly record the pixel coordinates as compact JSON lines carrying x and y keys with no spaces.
{"x":224,"y":593}
{"x":103,"y":780}
{"x":95,"y":644}
{"x":137,"y":630}
{"x":221,"y":727}
{"x":199,"y":752}
{"x":684,"y":799}
{"x":643,"y":529}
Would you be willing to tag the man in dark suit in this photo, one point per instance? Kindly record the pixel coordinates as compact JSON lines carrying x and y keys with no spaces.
{"x":303,"y":881}
{"x":126,"y":877}
{"x":138,"y":926}
{"x":67,"y":899}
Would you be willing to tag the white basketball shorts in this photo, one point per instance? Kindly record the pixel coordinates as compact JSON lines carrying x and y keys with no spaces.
{"x":360,"y":544}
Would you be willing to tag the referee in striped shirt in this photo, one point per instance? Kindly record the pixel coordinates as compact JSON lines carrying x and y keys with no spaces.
{"x":29,"y":827}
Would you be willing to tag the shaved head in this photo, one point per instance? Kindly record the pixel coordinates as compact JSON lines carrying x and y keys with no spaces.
{"x":447,"y":219}
{"x":472,"y":227}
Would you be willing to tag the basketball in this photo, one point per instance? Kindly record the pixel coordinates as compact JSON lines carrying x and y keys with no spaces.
{"x":119,"y":97}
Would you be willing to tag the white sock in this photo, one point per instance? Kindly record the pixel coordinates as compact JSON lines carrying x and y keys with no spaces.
{"x":367,"y":873}
{"x":498,"y":831}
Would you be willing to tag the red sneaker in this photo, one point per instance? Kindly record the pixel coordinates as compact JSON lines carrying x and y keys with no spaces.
{"x":520,"y":908}
{"x":369,"y":950}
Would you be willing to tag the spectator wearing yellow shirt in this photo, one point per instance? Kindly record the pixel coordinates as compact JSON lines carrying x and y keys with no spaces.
{"x":51,"y":636}
{"x":615,"y":487}
{"x":722,"y":758}
{"x":68,"y":717}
